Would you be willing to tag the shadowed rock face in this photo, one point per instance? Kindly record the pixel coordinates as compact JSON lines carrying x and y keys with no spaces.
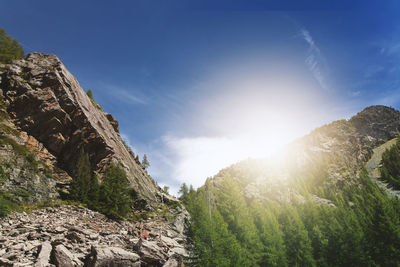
{"x":47,"y":102}
{"x":380,"y":122}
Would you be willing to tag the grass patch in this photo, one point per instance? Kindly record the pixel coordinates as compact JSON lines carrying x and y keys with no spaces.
{"x":7,"y":204}
{"x":28,"y":208}
{"x":174,"y":204}
{"x":21,"y":193}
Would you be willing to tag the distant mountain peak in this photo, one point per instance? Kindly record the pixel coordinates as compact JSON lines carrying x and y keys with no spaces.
{"x":378,"y":121}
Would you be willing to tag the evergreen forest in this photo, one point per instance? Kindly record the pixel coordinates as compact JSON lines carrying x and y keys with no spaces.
{"x":360,"y":226}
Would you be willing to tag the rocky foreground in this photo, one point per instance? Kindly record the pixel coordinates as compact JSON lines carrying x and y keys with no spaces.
{"x":76,"y":236}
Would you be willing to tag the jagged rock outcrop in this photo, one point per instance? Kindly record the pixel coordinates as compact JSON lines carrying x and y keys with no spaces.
{"x":75,"y":236}
{"x":47,"y":102}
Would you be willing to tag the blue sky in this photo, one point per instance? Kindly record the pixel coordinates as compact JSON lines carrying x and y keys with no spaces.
{"x":199,"y":85}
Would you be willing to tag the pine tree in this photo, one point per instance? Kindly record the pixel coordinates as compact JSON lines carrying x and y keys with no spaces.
{"x":390,"y":170}
{"x":94,"y":192}
{"x":183,"y":191}
{"x":114,"y":193}
{"x":81,"y":178}
{"x":166,"y":189}
{"x":298,"y":245}
{"x":145,"y":162}
{"x":9,"y":48}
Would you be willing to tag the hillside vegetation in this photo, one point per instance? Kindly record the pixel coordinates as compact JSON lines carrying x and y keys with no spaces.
{"x":314,"y":205}
{"x":228,"y":229}
{"x":390,"y":169}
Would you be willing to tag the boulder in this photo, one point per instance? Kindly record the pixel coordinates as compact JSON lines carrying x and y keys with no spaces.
{"x":150,"y":252}
{"x":102,"y":256}
{"x":62,"y":257}
{"x":44,"y":255}
{"x":171,"y":262}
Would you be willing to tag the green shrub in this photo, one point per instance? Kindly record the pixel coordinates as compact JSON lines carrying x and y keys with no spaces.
{"x":9,"y":48}
{"x":90,"y":94}
{"x":7,"y":204}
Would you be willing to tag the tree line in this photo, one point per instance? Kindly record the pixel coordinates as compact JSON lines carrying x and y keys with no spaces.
{"x":228,"y":229}
{"x":390,"y":165}
{"x":112,"y":196}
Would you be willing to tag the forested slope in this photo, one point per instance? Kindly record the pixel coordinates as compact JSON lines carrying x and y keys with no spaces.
{"x":315,"y":206}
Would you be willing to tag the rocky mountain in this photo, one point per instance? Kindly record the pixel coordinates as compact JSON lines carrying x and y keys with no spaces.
{"x":339,"y":150}
{"x":46,"y":118}
{"x":319,"y":202}
{"x":44,"y":100}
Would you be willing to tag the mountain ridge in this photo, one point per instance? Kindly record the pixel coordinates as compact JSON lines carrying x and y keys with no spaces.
{"x":343,"y":147}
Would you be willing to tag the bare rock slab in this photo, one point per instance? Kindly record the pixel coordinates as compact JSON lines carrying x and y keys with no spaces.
{"x":62,"y":257}
{"x":102,"y":256}
{"x":44,"y":255}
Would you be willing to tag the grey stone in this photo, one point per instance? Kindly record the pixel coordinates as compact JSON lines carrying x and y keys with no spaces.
{"x":102,"y":256}
{"x":44,"y":255}
{"x":62,"y":257}
{"x":150,"y":252}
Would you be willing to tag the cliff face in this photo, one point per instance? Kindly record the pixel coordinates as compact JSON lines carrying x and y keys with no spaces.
{"x":47,"y":102}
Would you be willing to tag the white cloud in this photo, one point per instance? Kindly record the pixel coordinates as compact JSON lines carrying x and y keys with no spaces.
{"x":122,"y":94}
{"x":196,"y":158}
{"x":314,"y":60}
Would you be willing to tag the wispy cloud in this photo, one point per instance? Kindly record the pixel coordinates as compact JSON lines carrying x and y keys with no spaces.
{"x":354,"y":93}
{"x":123,"y":94}
{"x":126,"y":139}
{"x":314,"y":60}
{"x":390,"y":48}
{"x":373,"y":70}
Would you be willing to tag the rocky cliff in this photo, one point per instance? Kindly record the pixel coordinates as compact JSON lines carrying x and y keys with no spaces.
{"x":44,"y":100}
{"x":45,"y":120}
